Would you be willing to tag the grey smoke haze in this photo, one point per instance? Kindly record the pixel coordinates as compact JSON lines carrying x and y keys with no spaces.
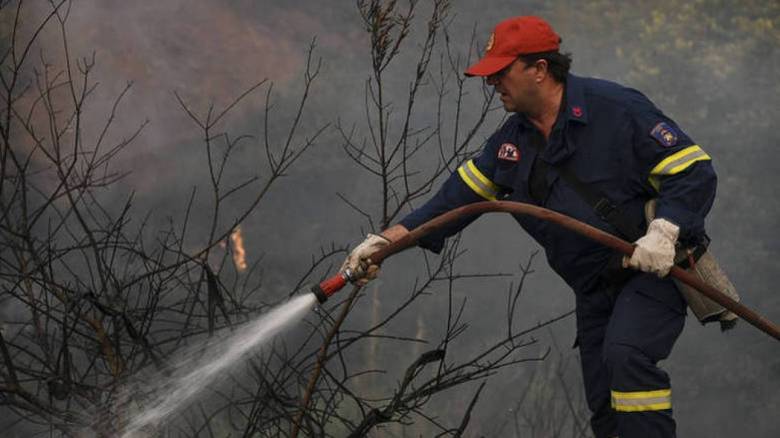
{"x":726,"y":97}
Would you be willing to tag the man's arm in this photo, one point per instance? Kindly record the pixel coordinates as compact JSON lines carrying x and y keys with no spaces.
{"x":679,"y":173}
{"x":471,"y":182}
{"x":395,"y":232}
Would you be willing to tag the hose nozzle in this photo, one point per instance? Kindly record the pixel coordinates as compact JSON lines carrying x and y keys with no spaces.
{"x":332,"y":285}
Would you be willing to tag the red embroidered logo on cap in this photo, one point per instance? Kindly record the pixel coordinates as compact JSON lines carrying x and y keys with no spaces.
{"x":508,"y":152}
{"x":490,"y":42}
{"x":577,"y":111}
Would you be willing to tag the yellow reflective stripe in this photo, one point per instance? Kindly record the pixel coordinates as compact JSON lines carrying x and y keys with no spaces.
{"x":680,"y":160}
{"x":676,"y":163}
{"x":487,"y":182}
{"x":644,"y":408}
{"x":478,"y":182}
{"x":640,"y":401}
{"x":641,"y":394}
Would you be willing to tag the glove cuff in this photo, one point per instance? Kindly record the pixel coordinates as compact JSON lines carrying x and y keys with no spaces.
{"x":664,"y":228}
{"x":373,"y":237}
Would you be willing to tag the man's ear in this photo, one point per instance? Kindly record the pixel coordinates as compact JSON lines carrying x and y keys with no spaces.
{"x":542,"y":69}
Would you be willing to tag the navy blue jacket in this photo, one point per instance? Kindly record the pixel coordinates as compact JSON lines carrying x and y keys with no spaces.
{"x":616,"y":141}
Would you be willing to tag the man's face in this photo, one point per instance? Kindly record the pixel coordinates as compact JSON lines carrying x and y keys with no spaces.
{"x":517,"y":86}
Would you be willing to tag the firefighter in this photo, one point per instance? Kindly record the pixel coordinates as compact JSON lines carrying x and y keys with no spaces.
{"x":615,"y":142}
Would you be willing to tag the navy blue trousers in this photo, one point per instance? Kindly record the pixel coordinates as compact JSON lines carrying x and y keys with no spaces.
{"x":621,"y":339}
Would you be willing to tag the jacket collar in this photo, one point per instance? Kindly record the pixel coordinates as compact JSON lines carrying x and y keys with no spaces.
{"x":576,"y":107}
{"x":574,"y":111}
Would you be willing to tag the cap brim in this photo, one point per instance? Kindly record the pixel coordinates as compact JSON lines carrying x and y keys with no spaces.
{"x":489,"y":65}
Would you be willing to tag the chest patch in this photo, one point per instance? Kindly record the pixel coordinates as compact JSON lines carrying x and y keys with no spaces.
{"x":664,"y":134}
{"x":508,"y":152}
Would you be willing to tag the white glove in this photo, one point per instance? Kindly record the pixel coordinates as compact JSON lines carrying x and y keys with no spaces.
{"x":654,"y":252}
{"x":356,"y":260}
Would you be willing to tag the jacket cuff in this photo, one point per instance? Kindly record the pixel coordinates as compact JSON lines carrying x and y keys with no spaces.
{"x":691,"y":225}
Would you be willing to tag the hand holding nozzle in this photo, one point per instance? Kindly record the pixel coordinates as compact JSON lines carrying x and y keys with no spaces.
{"x":359,"y":262}
{"x":357,"y":268}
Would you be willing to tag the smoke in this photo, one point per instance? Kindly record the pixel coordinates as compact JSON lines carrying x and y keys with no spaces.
{"x":710,"y":66}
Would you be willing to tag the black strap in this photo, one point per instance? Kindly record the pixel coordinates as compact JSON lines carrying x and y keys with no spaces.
{"x":601,"y":204}
{"x":605,"y":209}
{"x":537,"y":180}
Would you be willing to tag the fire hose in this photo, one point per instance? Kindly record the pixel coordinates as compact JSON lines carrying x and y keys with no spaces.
{"x":333,"y":284}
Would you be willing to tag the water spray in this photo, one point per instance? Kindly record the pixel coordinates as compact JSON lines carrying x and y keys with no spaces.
{"x":193,"y":371}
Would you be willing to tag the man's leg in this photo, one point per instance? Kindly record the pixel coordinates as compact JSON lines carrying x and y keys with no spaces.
{"x":647,"y":318}
{"x":593,"y":314}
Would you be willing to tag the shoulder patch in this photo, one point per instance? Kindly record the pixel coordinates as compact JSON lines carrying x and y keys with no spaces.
{"x":664,"y":134}
{"x":508,"y":152}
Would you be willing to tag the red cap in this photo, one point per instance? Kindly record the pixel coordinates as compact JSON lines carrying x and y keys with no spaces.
{"x":514,"y":37}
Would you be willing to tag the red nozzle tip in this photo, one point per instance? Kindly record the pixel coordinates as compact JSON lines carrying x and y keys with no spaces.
{"x":329,"y":287}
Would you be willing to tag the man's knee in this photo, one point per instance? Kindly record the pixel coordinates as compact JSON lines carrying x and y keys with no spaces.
{"x":631,"y":369}
{"x":620,"y":357}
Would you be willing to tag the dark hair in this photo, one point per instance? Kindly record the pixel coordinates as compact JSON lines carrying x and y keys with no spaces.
{"x":558,"y":63}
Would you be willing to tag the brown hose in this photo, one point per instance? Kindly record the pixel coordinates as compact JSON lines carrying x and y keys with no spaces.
{"x":600,"y":236}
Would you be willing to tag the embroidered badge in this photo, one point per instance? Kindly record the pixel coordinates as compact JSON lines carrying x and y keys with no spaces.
{"x":577,"y":111}
{"x":664,"y":134}
{"x":508,"y":152}
{"x":490,"y":42}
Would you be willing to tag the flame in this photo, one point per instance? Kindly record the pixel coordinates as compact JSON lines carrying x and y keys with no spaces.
{"x":239,"y":254}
